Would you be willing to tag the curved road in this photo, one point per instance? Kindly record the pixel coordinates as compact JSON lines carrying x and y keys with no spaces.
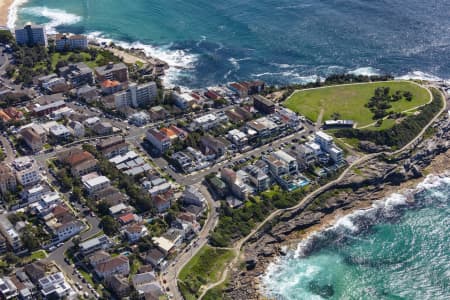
{"x":320,"y":190}
{"x":170,"y":275}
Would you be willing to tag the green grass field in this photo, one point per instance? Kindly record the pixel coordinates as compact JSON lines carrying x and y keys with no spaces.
{"x":349,"y":101}
{"x":205,"y":267}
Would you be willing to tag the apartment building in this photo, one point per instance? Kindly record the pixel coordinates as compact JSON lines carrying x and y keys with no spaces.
{"x":136,"y":95}
{"x":112,"y":71}
{"x":65,"y":42}
{"x":27,"y":171}
{"x":31,"y":34}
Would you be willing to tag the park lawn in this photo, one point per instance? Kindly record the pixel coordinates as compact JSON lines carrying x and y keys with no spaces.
{"x":58,"y":56}
{"x":205,"y":267}
{"x":349,"y":100}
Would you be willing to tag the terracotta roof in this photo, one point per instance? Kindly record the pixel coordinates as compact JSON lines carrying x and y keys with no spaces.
{"x":169,"y":133}
{"x":78,"y":158}
{"x":127,"y":218}
{"x":110,"y":83}
{"x":4,"y":116}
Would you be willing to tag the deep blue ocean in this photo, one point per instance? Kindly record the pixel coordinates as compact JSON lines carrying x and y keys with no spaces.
{"x":391,"y":251}
{"x":280,"y":41}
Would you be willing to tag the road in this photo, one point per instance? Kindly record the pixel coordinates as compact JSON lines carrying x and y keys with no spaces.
{"x":312,"y":195}
{"x":7,"y":148}
{"x":58,"y":255}
{"x":170,"y":275}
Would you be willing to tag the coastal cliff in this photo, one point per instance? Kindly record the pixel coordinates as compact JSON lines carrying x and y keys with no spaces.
{"x":371,"y":181}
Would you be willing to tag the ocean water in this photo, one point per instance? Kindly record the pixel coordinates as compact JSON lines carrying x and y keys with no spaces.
{"x":279,"y":41}
{"x":390,"y":251}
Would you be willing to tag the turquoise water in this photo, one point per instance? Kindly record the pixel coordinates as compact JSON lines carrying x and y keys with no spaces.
{"x":279,"y":41}
{"x":390,"y":251}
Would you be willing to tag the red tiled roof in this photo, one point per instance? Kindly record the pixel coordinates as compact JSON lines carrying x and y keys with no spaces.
{"x":110,"y":83}
{"x":127,"y":218}
{"x":79,"y":157}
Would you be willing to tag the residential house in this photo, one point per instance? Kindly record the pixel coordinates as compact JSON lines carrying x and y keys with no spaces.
{"x":94,"y":244}
{"x":119,"y":265}
{"x":135,"y":231}
{"x":158,"y":113}
{"x":33,"y":138}
{"x":211,"y":145}
{"x":183,"y":100}
{"x":140,"y":118}
{"x":40,"y":269}
{"x":98,"y":257}
{"x":162,"y":202}
{"x":60,"y":132}
{"x":113,"y":146}
{"x":192,"y":195}
{"x":63,"y":224}
{"x":163,"y":244}
{"x":81,"y":163}
{"x":119,"y":285}
{"x":76,"y":129}
{"x":259,"y":179}
{"x":236,"y":182}
{"x":55,"y":285}
{"x":92,"y":182}
{"x":155,"y":257}
{"x":87,"y":93}
{"x":103,"y":128}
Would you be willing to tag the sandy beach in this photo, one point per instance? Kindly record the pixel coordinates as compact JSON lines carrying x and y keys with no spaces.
{"x":4,"y":10}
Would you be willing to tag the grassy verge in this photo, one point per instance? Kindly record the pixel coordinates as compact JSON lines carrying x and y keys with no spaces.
{"x":216,"y":292}
{"x":86,"y":276}
{"x":204,"y":268}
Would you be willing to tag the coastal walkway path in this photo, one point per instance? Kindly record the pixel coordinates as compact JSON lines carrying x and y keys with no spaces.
{"x":307,"y":199}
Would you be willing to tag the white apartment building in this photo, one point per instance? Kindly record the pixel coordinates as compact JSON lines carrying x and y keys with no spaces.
{"x":136,"y":95}
{"x":70,"y":42}
{"x":324,"y":140}
{"x":95,"y":183}
{"x":27,"y":171}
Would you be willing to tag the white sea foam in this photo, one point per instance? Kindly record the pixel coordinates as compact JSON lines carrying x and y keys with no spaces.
{"x":57,"y":17}
{"x":180,"y":61}
{"x":365,"y":71}
{"x":419,"y":75}
{"x":12,"y":12}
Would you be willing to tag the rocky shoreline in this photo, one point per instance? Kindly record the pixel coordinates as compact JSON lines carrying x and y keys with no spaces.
{"x":371,"y":181}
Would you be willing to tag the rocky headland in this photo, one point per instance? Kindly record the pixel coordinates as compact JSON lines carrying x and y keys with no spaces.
{"x":371,"y":181}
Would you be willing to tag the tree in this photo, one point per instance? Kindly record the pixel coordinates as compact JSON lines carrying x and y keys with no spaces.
{"x":77,"y":194}
{"x":30,"y":240}
{"x":335,"y":116}
{"x":109,"y":225}
{"x":11,"y":258}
